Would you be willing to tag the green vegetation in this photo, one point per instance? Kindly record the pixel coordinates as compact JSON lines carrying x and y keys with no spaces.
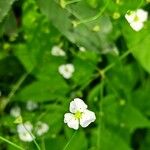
{"x":52,"y":51}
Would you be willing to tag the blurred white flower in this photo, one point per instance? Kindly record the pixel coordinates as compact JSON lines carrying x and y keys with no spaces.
{"x":15,"y":111}
{"x":41,"y":128}
{"x":24,"y":131}
{"x":57,"y":51}
{"x":66,"y":70}
{"x":79,"y":115}
{"x":137,"y":18}
{"x":31,"y":105}
{"x":82,"y":49}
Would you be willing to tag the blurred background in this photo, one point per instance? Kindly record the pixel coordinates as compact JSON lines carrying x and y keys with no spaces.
{"x":109,"y":66}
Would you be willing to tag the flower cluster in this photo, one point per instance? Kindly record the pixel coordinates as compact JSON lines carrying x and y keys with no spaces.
{"x":57,"y":51}
{"x":66,"y":70}
{"x":15,"y":111}
{"x":25,"y":130}
{"x":31,"y":105}
{"x":137,"y":18}
{"x":79,"y":115}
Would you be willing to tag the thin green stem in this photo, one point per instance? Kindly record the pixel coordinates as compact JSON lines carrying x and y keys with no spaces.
{"x":100,"y":115}
{"x":69,"y":140}
{"x":73,"y":1}
{"x":96,"y":16}
{"x":15,"y":88}
{"x":11,"y":143}
{"x":113,"y":64}
{"x":140,"y":4}
{"x":43,"y":144}
{"x":36,"y":144}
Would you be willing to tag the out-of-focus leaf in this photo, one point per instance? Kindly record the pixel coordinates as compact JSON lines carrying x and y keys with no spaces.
{"x":138,"y":43}
{"x":44,"y":90}
{"x":78,"y":141}
{"x":83,"y":34}
{"x":120,"y":112}
{"x":5,"y":6}
{"x":140,"y":98}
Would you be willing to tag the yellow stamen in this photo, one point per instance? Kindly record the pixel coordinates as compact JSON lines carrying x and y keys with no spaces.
{"x":78,"y":115}
{"x":136,"y":18}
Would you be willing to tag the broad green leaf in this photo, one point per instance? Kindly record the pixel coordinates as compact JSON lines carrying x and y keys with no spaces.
{"x":138,"y":43}
{"x":83,"y":34}
{"x":78,"y":141}
{"x":5,"y":6}
{"x":43,"y":90}
{"x":118,"y":113}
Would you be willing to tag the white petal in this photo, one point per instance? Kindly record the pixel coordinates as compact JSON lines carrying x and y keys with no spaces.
{"x":31,"y":105}
{"x":27,"y":126}
{"x":57,"y":51}
{"x":66,"y":70}
{"x":142,"y":15}
{"x":71,"y":121}
{"x":130,"y":16}
{"x":87,"y":117}
{"x":15,"y":111}
{"x":68,"y":117}
{"x":41,"y":128}
{"x":26,"y":137}
{"x":137,"y":26}
{"x":77,"y":105}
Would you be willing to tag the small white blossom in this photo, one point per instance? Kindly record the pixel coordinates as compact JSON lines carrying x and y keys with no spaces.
{"x":57,"y":51}
{"x":82,"y":49}
{"x":15,"y":111}
{"x":24,"y":131}
{"x":137,"y":18}
{"x":41,"y":128}
{"x":31,"y":105}
{"x":66,"y":70}
{"x":79,"y":115}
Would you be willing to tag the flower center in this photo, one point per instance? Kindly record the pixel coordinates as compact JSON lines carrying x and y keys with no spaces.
{"x":78,"y":115}
{"x":136,"y":18}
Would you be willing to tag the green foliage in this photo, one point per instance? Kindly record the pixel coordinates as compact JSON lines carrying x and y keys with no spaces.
{"x":111,"y":73}
{"x":5,"y":7}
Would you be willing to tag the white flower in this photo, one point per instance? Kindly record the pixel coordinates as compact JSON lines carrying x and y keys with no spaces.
{"x":15,"y":111}
{"x":66,"y":70}
{"x":137,"y":18}
{"x":57,"y":51}
{"x":79,"y":115}
{"x":24,"y":131}
{"x":41,"y":128}
{"x":31,"y":105}
{"x":82,"y":49}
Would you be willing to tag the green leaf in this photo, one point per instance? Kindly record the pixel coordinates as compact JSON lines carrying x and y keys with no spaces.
{"x":82,"y":34}
{"x":43,"y":90}
{"x":123,"y":114}
{"x":78,"y":141}
{"x":5,"y":6}
{"x":138,"y":43}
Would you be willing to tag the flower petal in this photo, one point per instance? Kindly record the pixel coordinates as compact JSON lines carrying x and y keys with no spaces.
{"x":137,"y":26}
{"x":77,"y":105}
{"x":142,"y":15}
{"x":66,"y":70}
{"x":26,"y":136}
{"x":71,"y":121}
{"x":87,"y":117}
{"x":130,"y":16}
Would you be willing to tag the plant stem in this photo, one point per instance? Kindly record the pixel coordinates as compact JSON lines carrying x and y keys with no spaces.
{"x":38,"y":147}
{"x":11,"y":143}
{"x":69,"y":140}
{"x":113,"y":64}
